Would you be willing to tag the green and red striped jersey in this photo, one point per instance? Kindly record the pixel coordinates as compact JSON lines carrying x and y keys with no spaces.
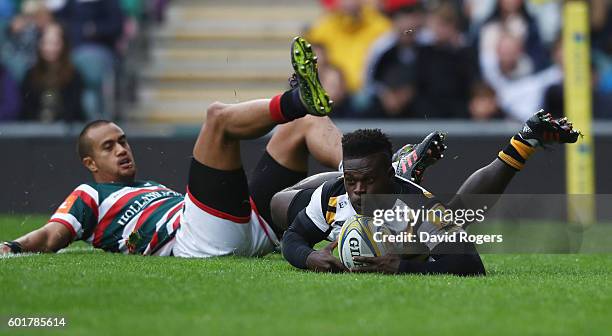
{"x":138,"y":218}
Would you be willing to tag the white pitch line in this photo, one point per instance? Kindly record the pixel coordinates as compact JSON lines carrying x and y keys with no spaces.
{"x":18,"y":255}
{"x":66,"y":250}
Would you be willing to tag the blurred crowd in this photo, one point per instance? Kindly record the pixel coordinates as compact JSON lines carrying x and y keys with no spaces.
{"x":61,"y":60}
{"x":64,"y":60}
{"x":461,"y":59}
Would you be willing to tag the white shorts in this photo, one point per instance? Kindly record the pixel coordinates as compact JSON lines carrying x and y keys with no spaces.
{"x":206,"y":232}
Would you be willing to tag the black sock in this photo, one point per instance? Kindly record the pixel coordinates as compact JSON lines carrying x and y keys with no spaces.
{"x":291,"y":105}
{"x":516,"y":153}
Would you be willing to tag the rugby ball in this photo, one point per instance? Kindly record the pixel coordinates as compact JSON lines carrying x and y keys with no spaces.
{"x":356,"y":239}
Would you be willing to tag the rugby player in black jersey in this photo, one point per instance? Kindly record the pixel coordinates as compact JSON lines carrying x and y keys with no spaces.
{"x":317,"y":207}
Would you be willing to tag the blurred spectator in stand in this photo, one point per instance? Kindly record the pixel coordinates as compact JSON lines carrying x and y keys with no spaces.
{"x":601,"y":37}
{"x":8,"y":9}
{"x":334,"y":83}
{"x":96,"y":22}
{"x":157,"y":9}
{"x":483,"y":104}
{"x":395,"y":94}
{"x":130,"y":46}
{"x":94,"y":27}
{"x":19,"y":48}
{"x":546,"y":15}
{"x":347,"y":32}
{"x":601,"y":25}
{"x":51,"y":90}
{"x":55,"y":5}
{"x":133,"y":13}
{"x":397,"y":45}
{"x":509,"y":60}
{"x":554,"y":95}
{"x":459,"y":7}
{"x":390,"y":74}
{"x":446,"y":69}
{"x":132,"y":8}
{"x":477,"y":12}
{"x":519,"y":92}
{"x":512,"y":16}
{"x":9,"y":96}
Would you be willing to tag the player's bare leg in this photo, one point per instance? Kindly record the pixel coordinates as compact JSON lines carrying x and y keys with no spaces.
{"x":218,"y":144}
{"x":292,"y":142}
{"x":539,"y":131}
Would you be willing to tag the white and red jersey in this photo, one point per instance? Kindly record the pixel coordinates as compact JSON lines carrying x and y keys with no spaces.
{"x":140,"y":218}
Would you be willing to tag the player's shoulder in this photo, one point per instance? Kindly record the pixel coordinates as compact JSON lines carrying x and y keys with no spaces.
{"x":83,"y":193}
{"x":88,"y":188}
{"x":333,"y":188}
{"x":326,"y":193}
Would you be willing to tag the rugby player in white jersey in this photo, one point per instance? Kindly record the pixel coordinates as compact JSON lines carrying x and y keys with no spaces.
{"x":222,"y":212}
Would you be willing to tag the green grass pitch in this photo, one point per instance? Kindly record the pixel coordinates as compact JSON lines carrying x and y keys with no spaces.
{"x":106,"y":294}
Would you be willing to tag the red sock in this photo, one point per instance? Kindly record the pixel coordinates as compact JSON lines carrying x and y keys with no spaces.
{"x":275,"y":110}
{"x":287,"y":107}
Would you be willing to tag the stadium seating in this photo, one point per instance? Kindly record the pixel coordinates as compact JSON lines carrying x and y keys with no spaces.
{"x":218,"y":51}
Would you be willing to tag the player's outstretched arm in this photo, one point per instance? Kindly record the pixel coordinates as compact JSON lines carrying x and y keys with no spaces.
{"x":297,"y":247}
{"x":49,"y":238}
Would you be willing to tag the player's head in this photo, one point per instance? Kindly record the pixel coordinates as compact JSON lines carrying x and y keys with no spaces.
{"x":366,"y":155}
{"x":407,"y":16}
{"x":105,"y":152}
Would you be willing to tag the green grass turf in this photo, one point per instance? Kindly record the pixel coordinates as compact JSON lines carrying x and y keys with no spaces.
{"x":106,"y":294}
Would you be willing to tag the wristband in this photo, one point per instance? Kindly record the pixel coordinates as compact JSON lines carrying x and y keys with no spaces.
{"x":14,"y":246}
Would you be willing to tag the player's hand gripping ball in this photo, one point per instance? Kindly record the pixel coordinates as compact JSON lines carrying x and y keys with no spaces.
{"x":357,"y":239}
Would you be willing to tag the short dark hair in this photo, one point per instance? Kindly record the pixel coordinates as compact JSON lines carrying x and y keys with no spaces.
{"x":83,"y":143}
{"x":364,"y":142}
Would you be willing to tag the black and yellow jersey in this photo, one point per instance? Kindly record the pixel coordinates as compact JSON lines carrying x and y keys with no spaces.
{"x":318,"y":214}
{"x":330,"y":206}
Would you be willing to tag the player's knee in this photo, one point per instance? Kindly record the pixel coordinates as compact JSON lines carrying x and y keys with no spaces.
{"x":215,"y":114}
{"x":213,"y":130}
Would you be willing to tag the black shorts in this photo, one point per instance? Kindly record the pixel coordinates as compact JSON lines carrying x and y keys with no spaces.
{"x":230,"y":192}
